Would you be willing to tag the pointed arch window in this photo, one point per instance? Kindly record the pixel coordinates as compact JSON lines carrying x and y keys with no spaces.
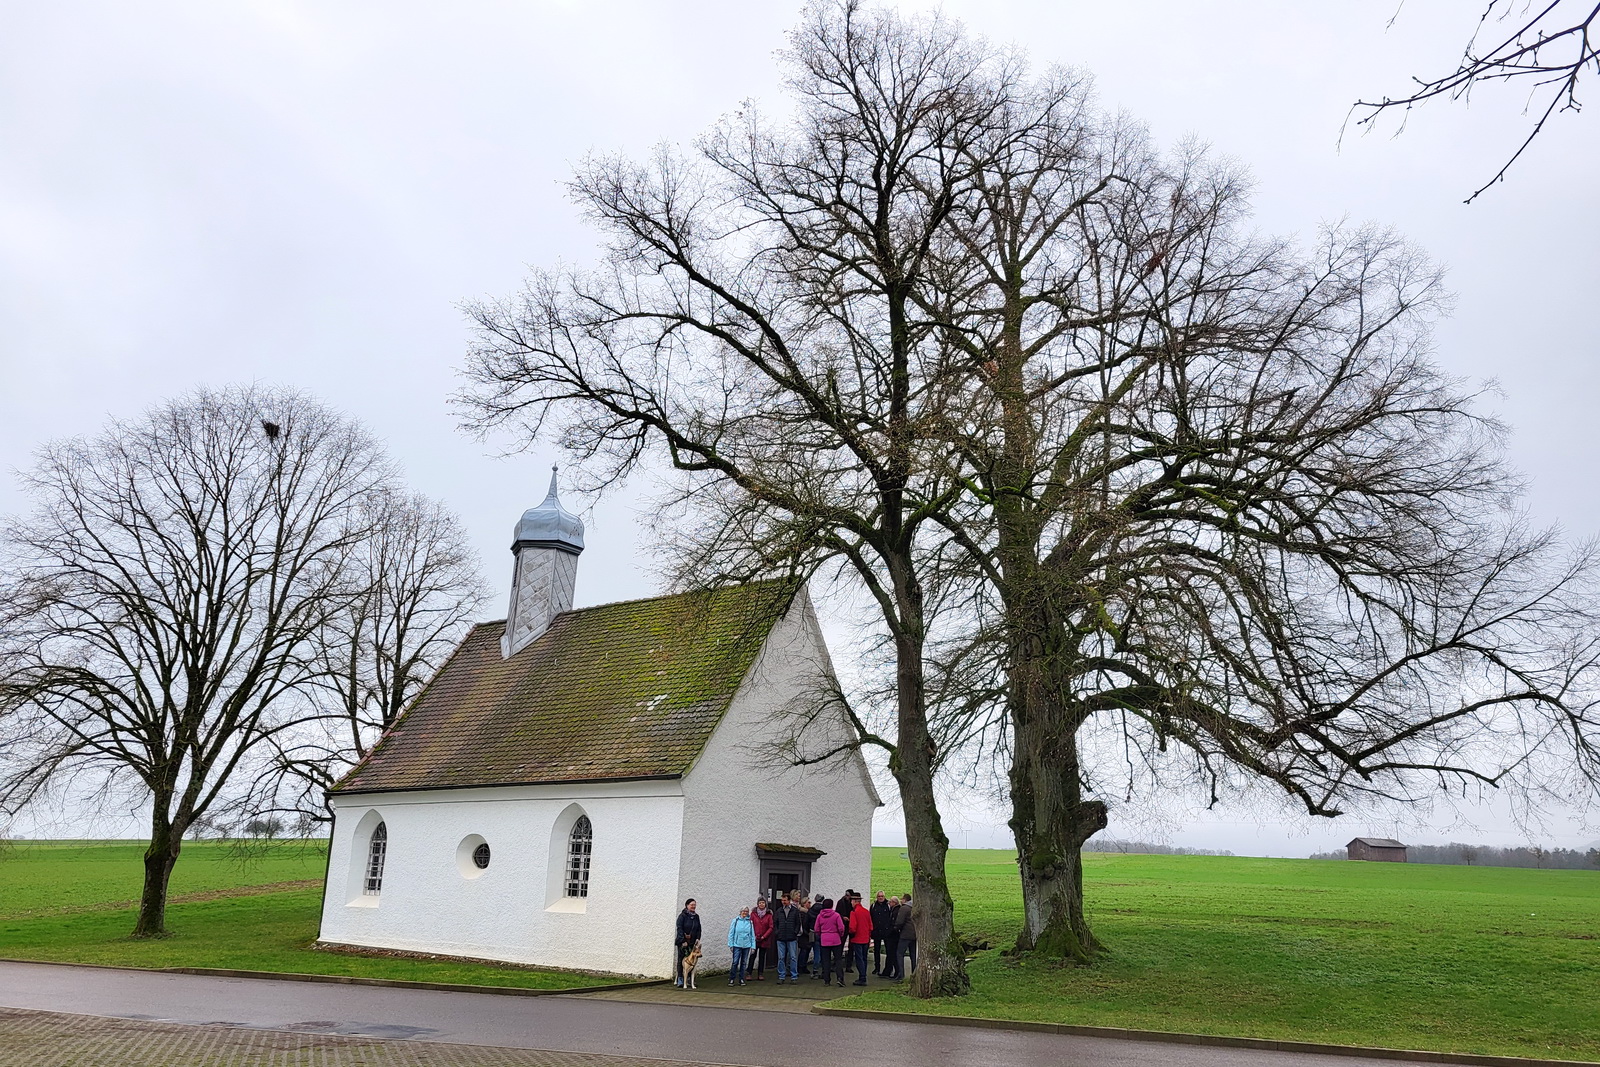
{"x":579,"y":843}
{"x":377,"y":852}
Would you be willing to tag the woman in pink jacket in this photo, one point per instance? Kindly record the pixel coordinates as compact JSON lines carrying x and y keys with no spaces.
{"x":830,"y":933}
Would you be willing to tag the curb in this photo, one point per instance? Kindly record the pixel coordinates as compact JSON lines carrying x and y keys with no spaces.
{"x":399,"y":983}
{"x":342,"y":979}
{"x":1180,"y":1038}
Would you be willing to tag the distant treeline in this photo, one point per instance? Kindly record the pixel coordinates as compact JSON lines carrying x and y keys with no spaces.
{"x":1113,"y":845}
{"x":1489,"y":856}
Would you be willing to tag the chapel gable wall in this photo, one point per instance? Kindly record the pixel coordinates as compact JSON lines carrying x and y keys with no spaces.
{"x":742,"y":791}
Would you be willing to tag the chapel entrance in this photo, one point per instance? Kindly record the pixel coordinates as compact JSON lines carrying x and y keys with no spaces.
{"x":786,"y":869}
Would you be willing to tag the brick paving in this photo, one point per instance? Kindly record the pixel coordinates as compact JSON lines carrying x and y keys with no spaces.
{"x":51,"y":1039}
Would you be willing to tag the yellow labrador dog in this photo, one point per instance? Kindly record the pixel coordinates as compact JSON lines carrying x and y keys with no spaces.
{"x":691,"y":963}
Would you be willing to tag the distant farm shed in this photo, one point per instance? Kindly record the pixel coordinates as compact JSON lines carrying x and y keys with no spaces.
{"x":1383,"y":849}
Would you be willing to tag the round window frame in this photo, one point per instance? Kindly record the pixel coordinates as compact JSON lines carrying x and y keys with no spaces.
{"x":465,"y":853}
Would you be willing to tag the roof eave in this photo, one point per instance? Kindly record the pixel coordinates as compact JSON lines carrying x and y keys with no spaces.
{"x":502,"y":785}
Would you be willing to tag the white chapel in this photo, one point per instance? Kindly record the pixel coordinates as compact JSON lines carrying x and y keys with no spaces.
{"x":570,"y":777}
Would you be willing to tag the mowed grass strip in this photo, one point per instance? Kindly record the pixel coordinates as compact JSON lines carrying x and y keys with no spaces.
{"x":1452,"y":959}
{"x":254,"y":909}
{"x":1498,"y":961}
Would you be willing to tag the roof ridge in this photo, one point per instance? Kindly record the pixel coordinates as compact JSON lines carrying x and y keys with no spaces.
{"x":681,"y":593}
{"x":658,"y":596}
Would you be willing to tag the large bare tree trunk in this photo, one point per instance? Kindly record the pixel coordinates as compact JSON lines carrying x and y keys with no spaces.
{"x":166,"y":841}
{"x":941,"y":963}
{"x":1051,"y":821}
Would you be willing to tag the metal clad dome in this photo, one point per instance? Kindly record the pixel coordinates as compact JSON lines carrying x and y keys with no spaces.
{"x":550,"y":524}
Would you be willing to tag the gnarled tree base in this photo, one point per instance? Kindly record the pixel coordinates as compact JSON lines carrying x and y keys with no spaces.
{"x":1050,"y":862}
{"x":1060,"y":941}
{"x":942,"y":973}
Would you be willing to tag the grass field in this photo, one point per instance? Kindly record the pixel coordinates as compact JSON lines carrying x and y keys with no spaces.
{"x":1455,"y":959}
{"x":1487,"y":960}
{"x":74,"y":901}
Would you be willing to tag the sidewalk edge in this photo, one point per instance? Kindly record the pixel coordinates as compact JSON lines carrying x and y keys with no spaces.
{"x":1180,"y":1038}
{"x":342,"y":979}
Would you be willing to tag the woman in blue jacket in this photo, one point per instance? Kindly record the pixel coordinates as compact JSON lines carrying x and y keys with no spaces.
{"x":741,"y":939}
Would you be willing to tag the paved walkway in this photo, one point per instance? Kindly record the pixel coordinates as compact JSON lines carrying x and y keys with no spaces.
{"x":435,"y":1027}
{"x":51,"y":1039}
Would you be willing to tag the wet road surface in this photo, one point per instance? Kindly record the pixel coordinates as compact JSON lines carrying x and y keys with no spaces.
{"x":602,"y":1027}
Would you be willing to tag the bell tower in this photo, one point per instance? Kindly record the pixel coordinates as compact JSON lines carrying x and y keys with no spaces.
{"x":545,"y":547}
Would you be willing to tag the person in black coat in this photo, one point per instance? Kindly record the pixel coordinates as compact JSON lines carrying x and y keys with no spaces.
{"x":788,"y":923}
{"x":816,"y":942}
{"x":905,"y":925}
{"x":882,"y":927}
{"x":847,"y":904}
{"x":683,"y":943}
{"x":807,"y":918}
{"x":891,"y":966}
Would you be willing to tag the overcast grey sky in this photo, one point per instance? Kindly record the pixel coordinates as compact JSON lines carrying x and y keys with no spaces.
{"x":302,"y":193}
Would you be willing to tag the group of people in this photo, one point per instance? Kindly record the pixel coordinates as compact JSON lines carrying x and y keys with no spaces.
{"x":823,"y":937}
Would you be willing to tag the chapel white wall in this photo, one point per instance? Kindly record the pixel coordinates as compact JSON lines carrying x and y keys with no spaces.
{"x":505,"y":913}
{"x":737,"y":795}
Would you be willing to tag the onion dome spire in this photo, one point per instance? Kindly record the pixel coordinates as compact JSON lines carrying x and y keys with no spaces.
{"x":549,"y":525}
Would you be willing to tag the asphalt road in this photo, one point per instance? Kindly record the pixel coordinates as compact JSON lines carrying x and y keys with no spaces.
{"x":603,"y":1027}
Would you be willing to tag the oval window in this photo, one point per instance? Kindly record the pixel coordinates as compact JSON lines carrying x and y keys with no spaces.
{"x":472,"y":856}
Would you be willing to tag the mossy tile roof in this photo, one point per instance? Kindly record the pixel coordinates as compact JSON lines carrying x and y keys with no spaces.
{"x":620,"y":691}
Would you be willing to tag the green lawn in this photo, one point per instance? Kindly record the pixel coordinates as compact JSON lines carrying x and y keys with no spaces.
{"x":74,"y":901}
{"x":1456,"y":959}
{"x":1486,"y":960}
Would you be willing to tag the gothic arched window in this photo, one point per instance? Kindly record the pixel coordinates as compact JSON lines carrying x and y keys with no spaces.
{"x":377,"y":850}
{"x":579,"y":843}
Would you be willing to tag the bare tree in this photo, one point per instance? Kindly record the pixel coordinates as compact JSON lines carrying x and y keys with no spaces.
{"x":1545,"y":45}
{"x":1225,"y":505}
{"x":164,"y":601}
{"x":1209,"y":509}
{"x":755,"y":323}
{"x":1215,"y":498}
{"x":418,"y":587}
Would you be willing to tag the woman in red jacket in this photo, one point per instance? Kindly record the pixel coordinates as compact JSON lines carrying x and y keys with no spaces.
{"x":766,"y":939}
{"x":860,"y":937}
